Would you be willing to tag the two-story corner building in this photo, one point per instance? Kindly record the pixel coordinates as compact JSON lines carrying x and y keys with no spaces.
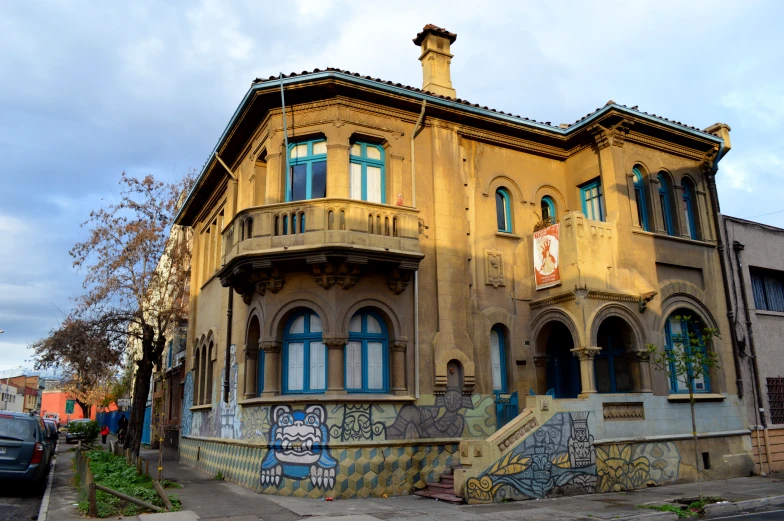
{"x":370,"y":304}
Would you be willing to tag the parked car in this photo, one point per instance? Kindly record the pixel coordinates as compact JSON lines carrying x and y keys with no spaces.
{"x":25,"y":449}
{"x":53,"y":432}
{"x":53,"y":416}
{"x":71,"y":435}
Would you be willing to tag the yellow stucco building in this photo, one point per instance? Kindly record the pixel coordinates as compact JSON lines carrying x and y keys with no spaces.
{"x":371,"y":308}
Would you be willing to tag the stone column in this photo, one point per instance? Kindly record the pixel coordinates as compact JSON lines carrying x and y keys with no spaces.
{"x":540,"y":363}
{"x":398,"y":367}
{"x":587,"y":375}
{"x":251,"y":370}
{"x":641,"y":370}
{"x":655,"y":220}
{"x":336,"y":366}
{"x":678,"y":217}
{"x":636,"y":224}
{"x":337,"y":169}
{"x":272,"y":367}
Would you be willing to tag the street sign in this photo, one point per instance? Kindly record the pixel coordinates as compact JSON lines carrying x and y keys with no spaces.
{"x":69,"y":406}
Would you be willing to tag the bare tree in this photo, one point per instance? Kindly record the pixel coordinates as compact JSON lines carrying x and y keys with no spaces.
{"x":88,"y":359}
{"x":137,"y":269}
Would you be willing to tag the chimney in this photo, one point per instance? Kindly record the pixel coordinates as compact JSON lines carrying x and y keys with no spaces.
{"x":435,"y":59}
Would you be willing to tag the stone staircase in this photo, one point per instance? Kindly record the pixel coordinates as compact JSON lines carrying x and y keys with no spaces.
{"x":443,"y":490}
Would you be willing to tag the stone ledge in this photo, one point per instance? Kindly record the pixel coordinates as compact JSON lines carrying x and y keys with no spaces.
{"x":704,"y":397}
{"x":326,"y":398}
{"x":205,"y":407}
{"x":671,"y":437}
{"x":695,"y":242}
{"x":337,"y":444}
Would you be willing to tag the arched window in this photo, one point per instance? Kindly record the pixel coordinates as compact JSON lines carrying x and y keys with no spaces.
{"x":664,"y":203}
{"x":210,"y":373}
{"x":503,"y":211}
{"x":611,"y":365}
{"x":307,"y":177}
{"x":304,"y":355}
{"x":592,"y":199}
{"x":688,"y":209}
{"x":498,"y":359}
{"x":196,"y":373}
{"x":366,"y":354}
{"x":639,"y":197}
{"x":548,"y":209}
{"x":367,"y":173}
{"x":203,"y":374}
{"x":682,"y":333}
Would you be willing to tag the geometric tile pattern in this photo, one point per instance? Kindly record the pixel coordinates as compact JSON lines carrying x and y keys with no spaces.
{"x":363,"y":470}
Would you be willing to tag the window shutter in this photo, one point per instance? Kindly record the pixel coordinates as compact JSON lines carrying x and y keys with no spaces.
{"x":375,"y":366}
{"x":296,"y":369}
{"x":356,"y":181}
{"x":495,"y":358}
{"x":317,"y":366}
{"x":354,"y":365}
{"x":374,"y":184}
{"x":775,"y":293}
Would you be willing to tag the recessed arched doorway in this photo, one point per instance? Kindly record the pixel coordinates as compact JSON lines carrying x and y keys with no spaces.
{"x":563,"y":368}
{"x":613,"y":371}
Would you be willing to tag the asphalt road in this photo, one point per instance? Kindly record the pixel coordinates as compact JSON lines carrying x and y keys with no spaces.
{"x":18,"y":502}
{"x":769,"y":515}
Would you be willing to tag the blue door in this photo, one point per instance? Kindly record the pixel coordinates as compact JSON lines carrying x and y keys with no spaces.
{"x":505,"y":409}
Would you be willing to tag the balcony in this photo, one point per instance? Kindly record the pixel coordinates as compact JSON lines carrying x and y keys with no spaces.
{"x":337,"y":239}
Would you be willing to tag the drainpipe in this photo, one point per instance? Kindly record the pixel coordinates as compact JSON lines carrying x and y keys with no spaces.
{"x":417,"y":129}
{"x":285,"y":135}
{"x":714,"y":198}
{"x":738,"y":247}
{"x":227,"y":370}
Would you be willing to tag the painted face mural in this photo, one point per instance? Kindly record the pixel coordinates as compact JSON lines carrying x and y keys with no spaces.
{"x":298,"y":448}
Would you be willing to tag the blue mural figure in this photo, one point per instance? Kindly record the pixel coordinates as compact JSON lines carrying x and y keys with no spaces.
{"x":187,"y":403}
{"x":298,"y":448}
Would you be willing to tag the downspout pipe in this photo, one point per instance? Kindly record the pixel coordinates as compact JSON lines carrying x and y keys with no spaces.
{"x":714,"y":198}
{"x":738,"y":248}
{"x":417,"y":129}
{"x":227,"y":370}
{"x":285,"y":135}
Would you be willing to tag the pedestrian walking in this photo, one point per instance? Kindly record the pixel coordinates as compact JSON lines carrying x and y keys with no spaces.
{"x":104,"y":433}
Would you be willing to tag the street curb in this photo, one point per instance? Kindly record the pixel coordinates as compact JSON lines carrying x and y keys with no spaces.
{"x":751,"y":504}
{"x":657,"y":516}
{"x":43,"y":510}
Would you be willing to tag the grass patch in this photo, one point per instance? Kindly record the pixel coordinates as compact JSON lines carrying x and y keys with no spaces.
{"x":219,"y":476}
{"x":113,"y":472}
{"x":683,"y":511}
{"x":687,"y":509}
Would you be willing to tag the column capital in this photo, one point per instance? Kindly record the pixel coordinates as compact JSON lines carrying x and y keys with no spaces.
{"x":251,"y":352}
{"x":586,"y":353}
{"x":334,"y":341}
{"x":541,"y":360}
{"x":399,"y":345}
{"x":270,"y":346}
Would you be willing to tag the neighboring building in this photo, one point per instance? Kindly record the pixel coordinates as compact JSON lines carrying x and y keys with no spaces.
{"x":56,"y":401}
{"x":173,"y":381}
{"x":29,"y":386}
{"x":11,"y":399}
{"x":755,"y":254}
{"x":369,"y":305}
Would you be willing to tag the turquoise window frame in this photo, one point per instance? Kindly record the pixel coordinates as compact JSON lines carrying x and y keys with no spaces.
{"x":547,"y":200}
{"x":308,"y":160}
{"x":688,"y":198}
{"x":364,"y":337}
{"x":585,"y":198}
{"x":670,"y":341}
{"x":639,"y":194}
{"x":664,"y":198}
{"x":507,"y":227}
{"x":306,"y":338}
{"x":365,"y":161}
{"x":502,"y":358}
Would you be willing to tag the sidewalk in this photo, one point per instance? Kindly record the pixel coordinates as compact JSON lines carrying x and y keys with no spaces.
{"x":223,"y":501}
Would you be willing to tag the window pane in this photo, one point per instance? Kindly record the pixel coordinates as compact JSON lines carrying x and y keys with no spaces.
{"x":355,"y":181}
{"x":774,"y":293}
{"x":603,"y":381}
{"x":372,"y":153}
{"x":758,"y":288}
{"x":299,"y":151}
{"x":319,"y":148}
{"x":495,"y":359}
{"x":317,"y":366}
{"x":355,"y":326}
{"x":373,"y":326}
{"x":315,"y":323}
{"x":638,"y":200}
{"x":687,"y":218}
{"x":623,"y":380}
{"x":298,"y":326}
{"x":500,"y":211}
{"x":373,"y":184}
{"x":296,"y":369}
{"x":318,"y":184}
{"x":299,"y":182}
{"x":545,"y":210}
{"x":375,"y":370}
{"x":356,"y":150}
{"x":354,"y":365}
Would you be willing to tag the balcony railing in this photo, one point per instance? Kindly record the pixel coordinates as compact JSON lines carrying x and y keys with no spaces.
{"x":311,"y":224}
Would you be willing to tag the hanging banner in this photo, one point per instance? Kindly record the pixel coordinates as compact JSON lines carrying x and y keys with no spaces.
{"x":546,"y":261}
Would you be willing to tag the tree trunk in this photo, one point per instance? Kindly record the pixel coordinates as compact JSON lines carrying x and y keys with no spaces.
{"x":696,"y":446}
{"x":85,"y":409}
{"x":141,"y":389}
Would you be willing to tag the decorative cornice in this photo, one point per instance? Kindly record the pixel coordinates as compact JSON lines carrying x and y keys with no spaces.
{"x":664,"y":146}
{"x":520,"y":144}
{"x":550,"y":301}
{"x":623,"y":411}
{"x":616,"y":297}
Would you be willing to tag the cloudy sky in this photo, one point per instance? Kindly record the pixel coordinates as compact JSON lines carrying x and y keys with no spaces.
{"x":89,"y":89}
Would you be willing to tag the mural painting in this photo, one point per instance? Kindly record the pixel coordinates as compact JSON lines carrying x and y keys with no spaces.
{"x":626,"y":467}
{"x":230,"y":426}
{"x":558,"y":454}
{"x":298,"y":448}
{"x":422,"y":421}
{"x":358,"y":424}
{"x":187,"y":403}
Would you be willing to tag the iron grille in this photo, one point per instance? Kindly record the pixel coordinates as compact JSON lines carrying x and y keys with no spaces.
{"x":776,"y":399}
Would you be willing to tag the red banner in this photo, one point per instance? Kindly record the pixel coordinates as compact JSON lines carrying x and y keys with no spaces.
{"x":546,"y":259}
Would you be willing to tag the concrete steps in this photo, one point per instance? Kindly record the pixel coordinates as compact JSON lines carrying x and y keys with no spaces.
{"x":443,"y":490}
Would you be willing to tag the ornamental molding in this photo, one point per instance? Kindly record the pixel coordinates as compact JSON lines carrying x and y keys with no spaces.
{"x":623,"y":411}
{"x":334,"y":342}
{"x":251,"y":352}
{"x":518,"y":434}
{"x":551,"y":301}
{"x":586,"y":353}
{"x":610,"y":136}
{"x":494,"y":268}
{"x":664,"y":146}
{"x":270,"y":346}
{"x":399,"y":345}
{"x":520,"y":144}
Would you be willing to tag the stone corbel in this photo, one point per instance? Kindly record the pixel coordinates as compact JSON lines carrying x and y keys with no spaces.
{"x":398,"y":278}
{"x":324,"y":274}
{"x":270,"y":346}
{"x":399,"y":346}
{"x":348,"y":274}
{"x":270,"y":280}
{"x":645,"y":298}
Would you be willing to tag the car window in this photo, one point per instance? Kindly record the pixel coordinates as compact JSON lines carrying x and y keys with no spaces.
{"x":16,"y":428}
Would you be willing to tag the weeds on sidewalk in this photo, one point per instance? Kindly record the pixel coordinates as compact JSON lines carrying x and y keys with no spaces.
{"x":692,"y":509}
{"x":113,"y":472}
{"x":219,"y":476}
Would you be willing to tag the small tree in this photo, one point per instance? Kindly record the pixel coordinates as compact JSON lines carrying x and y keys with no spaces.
{"x":687,"y":361}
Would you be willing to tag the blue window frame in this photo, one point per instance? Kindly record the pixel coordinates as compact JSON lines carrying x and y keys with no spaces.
{"x":688,"y":209}
{"x":304,"y":355}
{"x":676,"y":336}
{"x":368,"y":178}
{"x":768,"y":289}
{"x":260,"y":373}
{"x":592,"y":200}
{"x":611,"y":367}
{"x":548,"y":209}
{"x":639,"y":196}
{"x":498,"y":359}
{"x":367,"y":354}
{"x":664,"y":203}
{"x":307,"y":164}
{"x":503,"y":211}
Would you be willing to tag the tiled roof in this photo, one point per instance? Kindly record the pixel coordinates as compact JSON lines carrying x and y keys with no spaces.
{"x":476,"y":105}
{"x":430,"y":28}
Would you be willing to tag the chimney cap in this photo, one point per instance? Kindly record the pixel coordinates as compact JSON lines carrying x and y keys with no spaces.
{"x":434,"y":29}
